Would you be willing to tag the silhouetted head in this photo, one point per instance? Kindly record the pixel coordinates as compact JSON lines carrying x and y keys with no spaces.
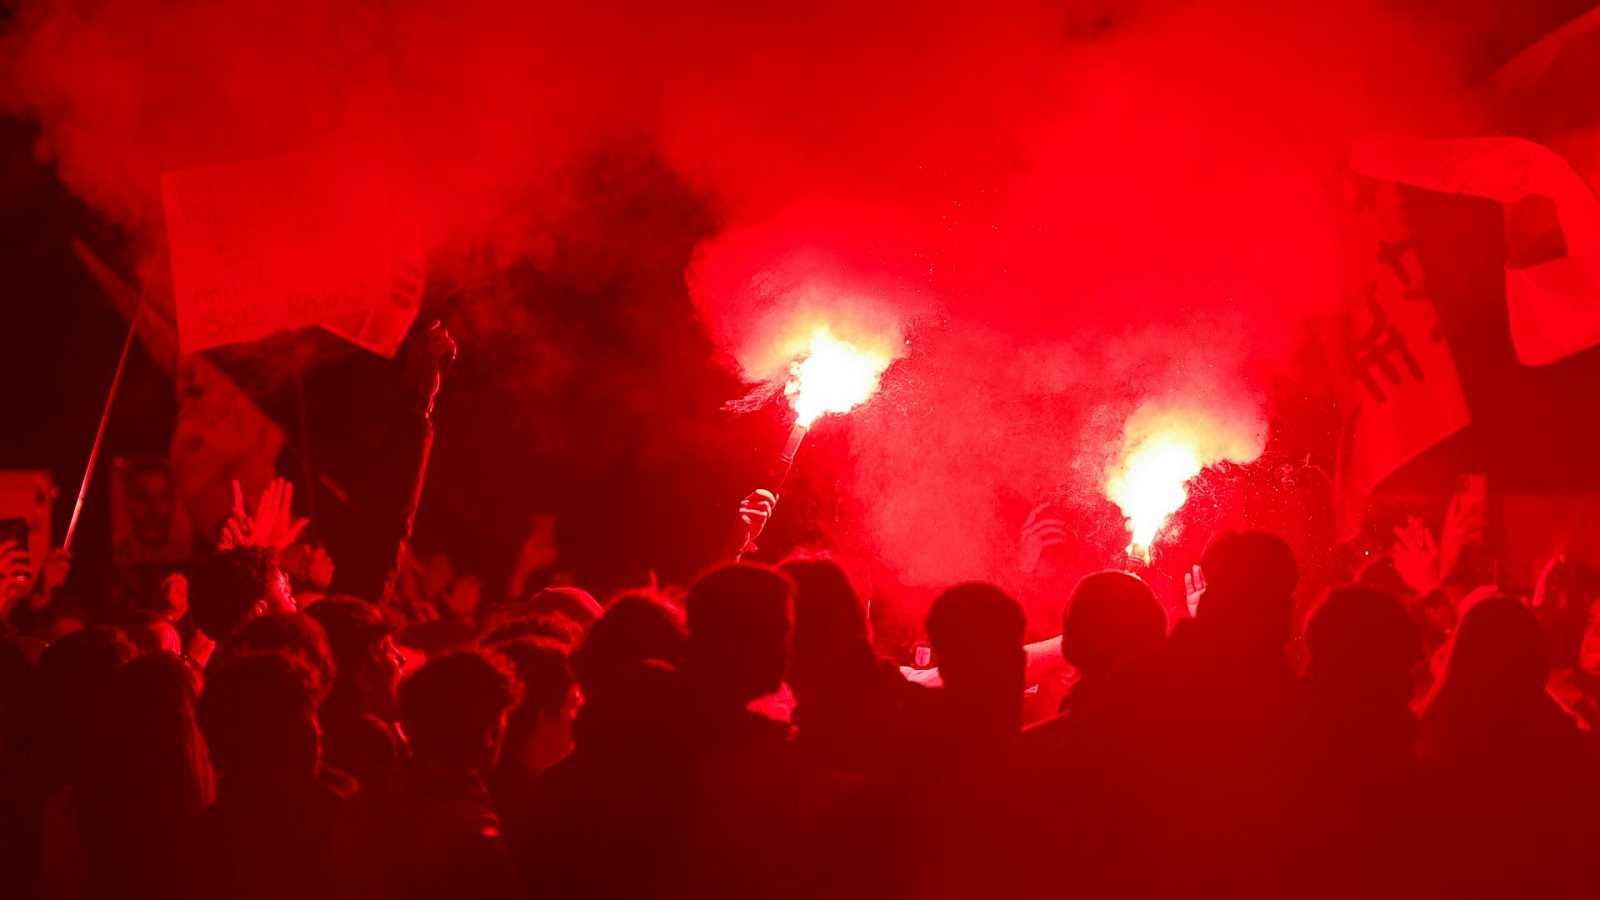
{"x":455,"y":708}
{"x":539,"y":729}
{"x":146,"y":757}
{"x":1363,"y":645}
{"x":146,"y":777}
{"x":1112,"y":622}
{"x":152,"y":633}
{"x":232,"y":587}
{"x":71,"y":681}
{"x":15,"y":670}
{"x":641,"y":715}
{"x":832,"y":641}
{"x":1589,"y":645}
{"x":1491,"y":698}
{"x":1249,"y":599}
{"x":545,"y":626}
{"x":637,"y":626}
{"x":739,"y":620}
{"x":1567,"y":595}
{"x":365,"y":656}
{"x":1498,"y":655}
{"x":574,"y":604}
{"x":151,"y":500}
{"x":463,"y":601}
{"x":259,"y":713}
{"x":170,"y":600}
{"x":290,"y":633}
{"x":976,"y":631}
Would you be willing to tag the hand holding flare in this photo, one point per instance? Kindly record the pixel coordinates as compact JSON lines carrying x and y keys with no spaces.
{"x":831,"y":376}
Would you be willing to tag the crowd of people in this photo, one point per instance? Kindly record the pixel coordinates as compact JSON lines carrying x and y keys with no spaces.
{"x":745,"y":739}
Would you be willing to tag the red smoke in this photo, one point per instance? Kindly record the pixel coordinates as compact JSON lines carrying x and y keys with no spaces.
{"x":1069,"y":208}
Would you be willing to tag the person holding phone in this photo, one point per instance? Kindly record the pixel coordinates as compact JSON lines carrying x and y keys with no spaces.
{"x":16,"y":574}
{"x":20,"y":581}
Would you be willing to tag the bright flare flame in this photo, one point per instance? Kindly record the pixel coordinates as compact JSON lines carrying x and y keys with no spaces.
{"x":1150,"y":485}
{"x":832,"y":376}
{"x":1165,"y":446}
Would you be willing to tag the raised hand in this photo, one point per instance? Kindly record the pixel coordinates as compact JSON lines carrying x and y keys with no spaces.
{"x":1551,"y":587}
{"x":1463,"y":527}
{"x":235,"y":531}
{"x":319,"y":568}
{"x":1194,"y":587}
{"x":273,"y":526}
{"x":1044,"y":528}
{"x":755,"y":510}
{"x":57,"y":566}
{"x":16,"y":574}
{"x":1416,"y":557}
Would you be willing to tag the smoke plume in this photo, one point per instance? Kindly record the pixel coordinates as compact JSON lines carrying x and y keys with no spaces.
{"x":1054,"y":212}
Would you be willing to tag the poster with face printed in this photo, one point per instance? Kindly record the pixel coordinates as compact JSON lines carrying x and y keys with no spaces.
{"x":149,"y":525}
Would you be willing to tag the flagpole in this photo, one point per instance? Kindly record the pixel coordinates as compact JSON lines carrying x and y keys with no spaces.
{"x":100,"y":430}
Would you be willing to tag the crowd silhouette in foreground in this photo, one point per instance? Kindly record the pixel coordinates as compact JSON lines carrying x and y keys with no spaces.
{"x":573,"y":749}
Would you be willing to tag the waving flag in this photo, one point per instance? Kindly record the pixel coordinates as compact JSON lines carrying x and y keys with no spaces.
{"x":1552,"y":229}
{"x":221,"y":434}
{"x":1404,"y":392}
{"x":271,"y":245}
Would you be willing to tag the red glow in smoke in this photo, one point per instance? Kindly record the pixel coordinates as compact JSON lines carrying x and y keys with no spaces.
{"x":1089,"y":205}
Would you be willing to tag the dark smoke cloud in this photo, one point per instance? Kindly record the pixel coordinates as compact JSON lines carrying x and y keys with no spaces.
{"x":1080,"y":208}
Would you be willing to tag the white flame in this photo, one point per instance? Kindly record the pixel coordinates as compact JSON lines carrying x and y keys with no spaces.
{"x":1150,"y":485}
{"x":832,"y":376}
{"x":1163,"y":449}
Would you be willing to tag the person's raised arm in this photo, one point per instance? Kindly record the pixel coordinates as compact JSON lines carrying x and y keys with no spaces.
{"x":755,"y":511}
{"x":273,"y":526}
{"x":16,"y":576}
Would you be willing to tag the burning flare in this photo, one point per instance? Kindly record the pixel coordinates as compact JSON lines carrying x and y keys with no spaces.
{"x":1163,"y":450}
{"x":1150,"y":485}
{"x":832,"y":376}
